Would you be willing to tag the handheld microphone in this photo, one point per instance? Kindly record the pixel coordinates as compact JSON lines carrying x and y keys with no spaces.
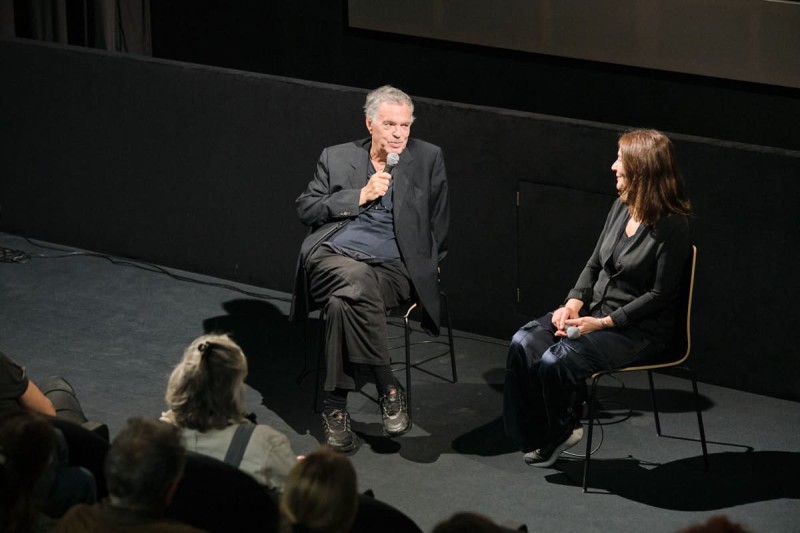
{"x":573,"y":332}
{"x":391,"y":161}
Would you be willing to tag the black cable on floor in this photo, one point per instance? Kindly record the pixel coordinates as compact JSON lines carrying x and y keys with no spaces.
{"x":150,"y":267}
{"x":7,"y":255}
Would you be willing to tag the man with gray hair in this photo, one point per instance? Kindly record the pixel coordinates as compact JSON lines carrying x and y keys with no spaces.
{"x":379,"y":212}
{"x":143,"y":467}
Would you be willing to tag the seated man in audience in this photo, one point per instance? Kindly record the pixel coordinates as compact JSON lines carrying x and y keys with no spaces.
{"x":19,"y":392}
{"x":55,"y":397}
{"x":143,"y":468}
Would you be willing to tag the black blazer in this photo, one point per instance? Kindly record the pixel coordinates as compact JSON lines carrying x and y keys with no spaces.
{"x":639,"y":292}
{"x":421,"y":215}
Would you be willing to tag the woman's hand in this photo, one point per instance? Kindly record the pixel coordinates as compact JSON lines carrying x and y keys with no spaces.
{"x":588,"y":324}
{"x":571,"y":310}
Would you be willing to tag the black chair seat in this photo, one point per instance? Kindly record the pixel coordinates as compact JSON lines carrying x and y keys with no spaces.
{"x":215,"y":496}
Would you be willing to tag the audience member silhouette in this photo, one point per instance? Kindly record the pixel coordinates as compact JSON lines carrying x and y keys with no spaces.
{"x":143,"y":468}
{"x":55,"y":397}
{"x":321,"y":494}
{"x":27,"y":442}
{"x":205,"y":395}
{"x":78,"y":453}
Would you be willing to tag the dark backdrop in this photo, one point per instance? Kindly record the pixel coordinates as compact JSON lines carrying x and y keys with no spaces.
{"x":197,"y":168}
{"x":311,"y":40}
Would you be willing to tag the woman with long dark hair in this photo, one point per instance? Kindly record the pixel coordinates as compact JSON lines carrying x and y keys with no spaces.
{"x":622,"y":306}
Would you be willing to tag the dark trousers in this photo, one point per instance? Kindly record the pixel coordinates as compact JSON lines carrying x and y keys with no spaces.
{"x":355,"y":296}
{"x":545,"y":381}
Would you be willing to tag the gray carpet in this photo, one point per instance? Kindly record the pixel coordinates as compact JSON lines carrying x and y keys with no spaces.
{"x":115,"y":330}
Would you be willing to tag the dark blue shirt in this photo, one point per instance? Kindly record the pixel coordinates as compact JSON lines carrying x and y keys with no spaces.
{"x":369,"y":237}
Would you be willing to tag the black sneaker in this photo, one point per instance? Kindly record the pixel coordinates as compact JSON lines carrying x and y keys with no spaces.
{"x":338,"y":435}
{"x":394,"y":412}
{"x":547,"y":455}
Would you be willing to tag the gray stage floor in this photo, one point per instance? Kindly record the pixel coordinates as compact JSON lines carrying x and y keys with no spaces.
{"x":116,"y":330}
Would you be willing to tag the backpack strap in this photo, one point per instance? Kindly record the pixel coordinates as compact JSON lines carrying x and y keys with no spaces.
{"x":238,"y":444}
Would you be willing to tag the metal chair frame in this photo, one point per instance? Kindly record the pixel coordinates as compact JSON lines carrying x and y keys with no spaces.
{"x":405,"y":314}
{"x":680,"y":363}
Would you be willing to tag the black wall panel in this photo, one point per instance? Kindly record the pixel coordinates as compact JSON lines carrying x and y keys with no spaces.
{"x":311,"y":40}
{"x":198,"y":168}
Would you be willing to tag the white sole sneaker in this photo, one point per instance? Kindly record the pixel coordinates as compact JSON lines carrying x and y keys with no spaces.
{"x":535,"y":458}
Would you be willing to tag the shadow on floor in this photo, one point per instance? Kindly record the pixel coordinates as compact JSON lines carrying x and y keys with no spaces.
{"x":452,"y":418}
{"x":274,"y":347}
{"x":734,"y":478}
{"x":461,"y":418}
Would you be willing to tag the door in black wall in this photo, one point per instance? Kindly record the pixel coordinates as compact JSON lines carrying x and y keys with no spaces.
{"x":557,"y":229}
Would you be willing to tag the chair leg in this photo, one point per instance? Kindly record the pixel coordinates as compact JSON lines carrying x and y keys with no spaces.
{"x":318,"y":370}
{"x":653,"y":402}
{"x":450,"y":343}
{"x":305,"y":371}
{"x":407,"y":334}
{"x":700,"y":426}
{"x":591,"y":415}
